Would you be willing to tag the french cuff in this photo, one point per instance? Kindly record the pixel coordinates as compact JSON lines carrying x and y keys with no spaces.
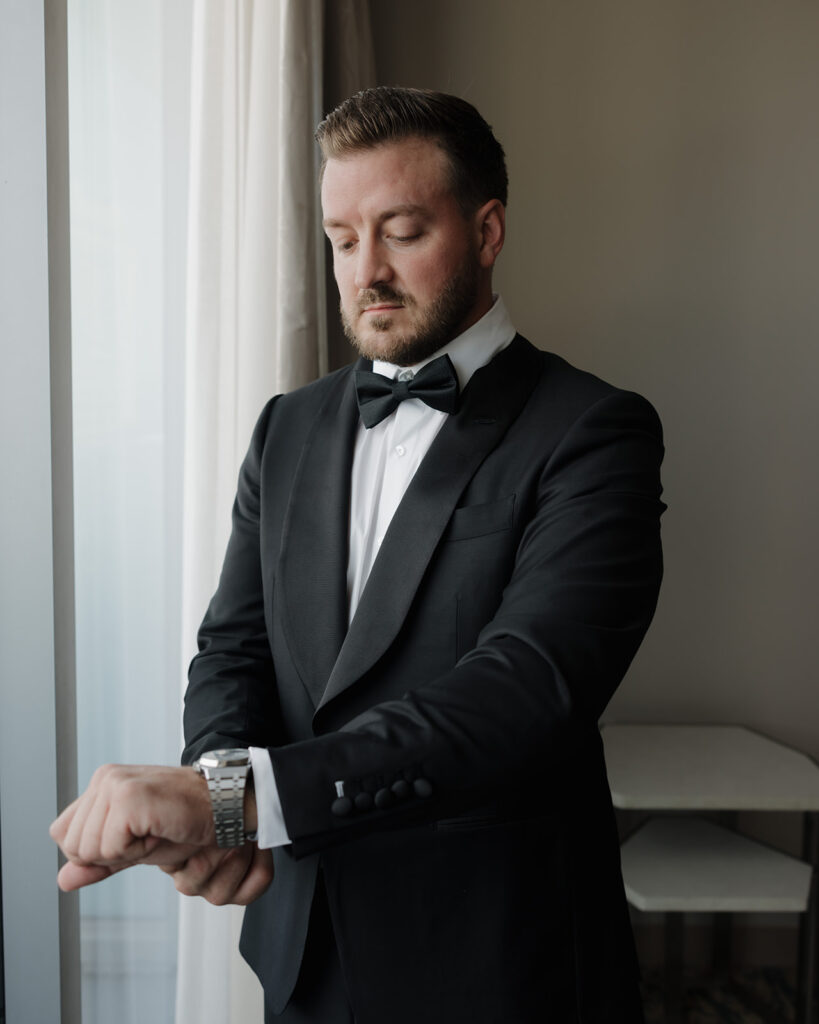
{"x":270,"y":829}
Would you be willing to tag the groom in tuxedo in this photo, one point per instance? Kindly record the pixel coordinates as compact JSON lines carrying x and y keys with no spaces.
{"x":442,"y":562}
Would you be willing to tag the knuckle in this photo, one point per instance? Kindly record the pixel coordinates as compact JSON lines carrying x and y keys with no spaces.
{"x":85,"y":853}
{"x":185,"y":886}
{"x":109,"y":851}
{"x":128,"y":781}
{"x":101,"y":774}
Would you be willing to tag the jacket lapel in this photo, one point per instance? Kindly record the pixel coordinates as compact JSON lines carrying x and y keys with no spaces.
{"x":312,"y":569}
{"x":490,"y":403}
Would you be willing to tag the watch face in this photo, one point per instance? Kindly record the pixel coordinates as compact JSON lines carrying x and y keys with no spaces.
{"x":228,"y":757}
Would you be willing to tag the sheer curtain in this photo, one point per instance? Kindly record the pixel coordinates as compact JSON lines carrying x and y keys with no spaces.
{"x":256,"y":319}
{"x":192,"y":160}
{"x":129,"y":81}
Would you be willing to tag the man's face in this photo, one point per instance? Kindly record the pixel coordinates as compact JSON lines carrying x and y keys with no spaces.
{"x":405,"y":257}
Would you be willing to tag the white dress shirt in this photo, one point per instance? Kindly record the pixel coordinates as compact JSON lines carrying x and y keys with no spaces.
{"x":384,"y":462}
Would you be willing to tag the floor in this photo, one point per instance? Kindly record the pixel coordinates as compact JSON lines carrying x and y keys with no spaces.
{"x":760,"y":996}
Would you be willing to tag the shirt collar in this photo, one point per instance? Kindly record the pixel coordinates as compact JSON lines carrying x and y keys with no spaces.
{"x":470,"y":350}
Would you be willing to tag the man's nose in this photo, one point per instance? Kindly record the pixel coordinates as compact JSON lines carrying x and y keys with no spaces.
{"x":372,"y":265}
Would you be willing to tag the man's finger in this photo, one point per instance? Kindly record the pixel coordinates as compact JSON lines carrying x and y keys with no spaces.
{"x":58,"y":828}
{"x":75,"y":876}
{"x":213,"y":873}
{"x":167,"y":855}
{"x":236,"y":876}
{"x":71,"y":825}
{"x":258,"y":878}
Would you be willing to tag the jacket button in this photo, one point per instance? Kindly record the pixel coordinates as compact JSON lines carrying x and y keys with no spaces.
{"x":341,"y":807}
{"x":363,"y":801}
{"x":422,"y":787}
{"x":401,"y":789}
{"x":383,"y":799}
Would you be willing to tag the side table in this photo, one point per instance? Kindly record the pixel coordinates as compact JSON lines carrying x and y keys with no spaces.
{"x":721,"y":768}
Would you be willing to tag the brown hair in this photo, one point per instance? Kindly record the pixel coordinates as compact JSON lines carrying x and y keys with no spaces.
{"x":388,"y":114}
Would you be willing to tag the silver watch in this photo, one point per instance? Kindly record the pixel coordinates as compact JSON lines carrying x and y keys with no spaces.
{"x":226,"y":772}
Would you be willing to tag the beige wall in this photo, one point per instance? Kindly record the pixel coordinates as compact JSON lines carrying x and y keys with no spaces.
{"x":664,"y":233}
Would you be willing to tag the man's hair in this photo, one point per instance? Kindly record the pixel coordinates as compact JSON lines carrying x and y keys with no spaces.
{"x":389,"y":114}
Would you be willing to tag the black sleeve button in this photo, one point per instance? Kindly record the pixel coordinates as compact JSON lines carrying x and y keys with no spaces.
{"x":363,"y":801}
{"x":383,"y":799}
{"x":423,"y":788}
{"x":401,"y":789}
{"x":341,"y":807}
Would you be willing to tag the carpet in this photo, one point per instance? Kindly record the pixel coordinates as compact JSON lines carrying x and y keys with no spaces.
{"x":759,"y":996}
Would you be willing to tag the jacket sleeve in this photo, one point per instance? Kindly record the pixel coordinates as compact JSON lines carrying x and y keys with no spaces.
{"x":230,"y":700}
{"x":516,"y":713}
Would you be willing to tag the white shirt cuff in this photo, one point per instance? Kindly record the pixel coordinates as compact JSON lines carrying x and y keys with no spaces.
{"x":271,"y":829}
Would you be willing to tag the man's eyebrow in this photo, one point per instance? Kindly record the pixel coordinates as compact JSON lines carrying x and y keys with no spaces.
{"x":406,"y":210}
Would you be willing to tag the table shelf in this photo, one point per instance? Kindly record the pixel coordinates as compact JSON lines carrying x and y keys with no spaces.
{"x":681,"y":864}
{"x":691,"y":865}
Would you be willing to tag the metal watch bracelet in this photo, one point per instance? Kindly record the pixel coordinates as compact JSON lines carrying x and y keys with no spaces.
{"x":226,"y":773}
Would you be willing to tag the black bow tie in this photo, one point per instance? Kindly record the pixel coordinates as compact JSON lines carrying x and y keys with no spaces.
{"x":436,"y":384}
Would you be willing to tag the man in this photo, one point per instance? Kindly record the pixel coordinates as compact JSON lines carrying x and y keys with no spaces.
{"x":437,"y":576}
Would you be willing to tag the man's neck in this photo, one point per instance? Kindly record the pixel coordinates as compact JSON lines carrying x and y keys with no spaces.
{"x":471,"y":349}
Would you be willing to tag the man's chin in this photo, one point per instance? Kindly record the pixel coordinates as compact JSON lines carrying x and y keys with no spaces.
{"x":391,"y":344}
{"x":379,"y":346}
{"x":379,"y":342}
{"x":398,"y":351}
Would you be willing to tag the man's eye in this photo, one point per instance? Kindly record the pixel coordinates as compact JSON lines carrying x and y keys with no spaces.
{"x":345,"y":246}
{"x":406,"y":238}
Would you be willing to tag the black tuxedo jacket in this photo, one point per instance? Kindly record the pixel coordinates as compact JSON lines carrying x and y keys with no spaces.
{"x":472,"y":866}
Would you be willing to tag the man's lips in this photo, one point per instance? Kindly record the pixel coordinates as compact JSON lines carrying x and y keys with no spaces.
{"x":382,"y":307}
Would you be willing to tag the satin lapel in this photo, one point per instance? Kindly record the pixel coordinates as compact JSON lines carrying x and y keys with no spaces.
{"x":489,"y":404}
{"x":313,"y":564}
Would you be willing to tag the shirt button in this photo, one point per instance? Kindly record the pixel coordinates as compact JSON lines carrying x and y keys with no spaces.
{"x":400,"y":450}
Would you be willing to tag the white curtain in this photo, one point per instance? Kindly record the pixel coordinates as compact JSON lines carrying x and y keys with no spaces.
{"x":128,"y":83}
{"x":255,"y":318}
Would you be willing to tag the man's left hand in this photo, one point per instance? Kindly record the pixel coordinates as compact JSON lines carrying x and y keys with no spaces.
{"x":237,"y":876}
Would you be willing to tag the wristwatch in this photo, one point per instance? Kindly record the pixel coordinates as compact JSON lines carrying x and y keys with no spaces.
{"x":226,"y":772}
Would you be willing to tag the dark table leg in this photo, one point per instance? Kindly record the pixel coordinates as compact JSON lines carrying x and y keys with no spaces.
{"x":674,"y":960}
{"x":807,"y":1008}
{"x":724,"y":922}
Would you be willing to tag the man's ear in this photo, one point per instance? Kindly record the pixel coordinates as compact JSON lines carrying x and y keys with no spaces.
{"x":490,"y":222}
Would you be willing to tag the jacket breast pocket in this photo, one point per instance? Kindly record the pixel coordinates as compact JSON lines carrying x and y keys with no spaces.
{"x":478,"y":520}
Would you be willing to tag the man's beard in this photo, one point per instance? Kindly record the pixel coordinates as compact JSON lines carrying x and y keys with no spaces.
{"x":436,"y":325}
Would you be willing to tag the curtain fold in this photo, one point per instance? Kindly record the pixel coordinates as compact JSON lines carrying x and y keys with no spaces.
{"x":255,"y":315}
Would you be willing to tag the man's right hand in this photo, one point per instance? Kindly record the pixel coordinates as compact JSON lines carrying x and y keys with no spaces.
{"x":237,"y":876}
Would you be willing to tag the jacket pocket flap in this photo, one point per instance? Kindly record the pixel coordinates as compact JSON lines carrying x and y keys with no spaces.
{"x":476,"y":520}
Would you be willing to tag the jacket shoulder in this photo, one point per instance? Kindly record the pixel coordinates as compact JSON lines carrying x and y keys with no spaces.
{"x":297,"y":409}
{"x":567,"y":391}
